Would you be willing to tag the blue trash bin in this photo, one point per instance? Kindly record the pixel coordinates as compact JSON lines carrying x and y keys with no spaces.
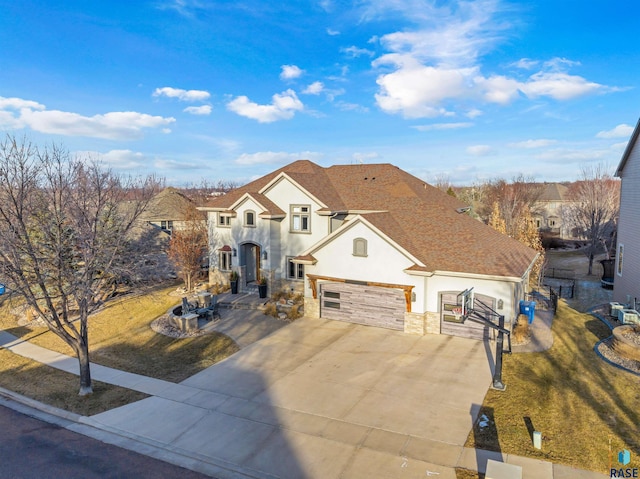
{"x":528,"y":308}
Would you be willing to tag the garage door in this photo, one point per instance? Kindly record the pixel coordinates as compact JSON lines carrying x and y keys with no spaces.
{"x":451,"y":323}
{"x":362,"y":304}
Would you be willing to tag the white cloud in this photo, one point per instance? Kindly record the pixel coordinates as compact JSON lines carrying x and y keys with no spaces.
{"x":198,"y":110}
{"x":473,"y":113}
{"x":290,"y":72}
{"x":283,"y":107}
{"x":124,"y":159}
{"x":417,"y":90}
{"x":275,"y":157}
{"x":346,"y":106}
{"x":182,"y":95}
{"x":332,"y":32}
{"x":620,"y":131}
{"x":498,"y":89}
{"x":433,"y":68}
{"x":525,"y":63}
{"x":479,"y":150}
{"x":314,"y":88}
{"x":355,"y":52}
{"x":117,"y":125}
{"x":558,"y":155}
{"x":443,"y":126}
{"x":560,"y":86}
{"x":165,"y":164}
{"x":365,"y":157}
{"x":530,"y":144}
{"x":19,"y":103}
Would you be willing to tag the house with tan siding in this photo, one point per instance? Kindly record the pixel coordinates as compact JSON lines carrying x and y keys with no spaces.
{"x":626,"y":286}
{"x":368,"y":244}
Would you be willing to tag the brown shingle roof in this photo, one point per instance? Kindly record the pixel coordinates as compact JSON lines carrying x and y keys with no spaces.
{"x":169,"y":204}
{"x":420,"y":218}
{"x":553,"y":192}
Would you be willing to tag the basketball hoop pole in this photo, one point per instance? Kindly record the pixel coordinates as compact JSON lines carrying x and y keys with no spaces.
{"x":497,"y":375}
{"x":487,"y":311}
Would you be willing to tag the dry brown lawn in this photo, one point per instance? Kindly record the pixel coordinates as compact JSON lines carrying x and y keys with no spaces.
{"x":120,"y":337}
{"x":576,"y":400}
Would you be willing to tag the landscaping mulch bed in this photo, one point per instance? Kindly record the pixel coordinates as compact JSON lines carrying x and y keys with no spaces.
{"x":605,"y":348}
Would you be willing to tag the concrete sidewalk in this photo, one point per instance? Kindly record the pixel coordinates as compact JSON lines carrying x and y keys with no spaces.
{"x":221,"y":424}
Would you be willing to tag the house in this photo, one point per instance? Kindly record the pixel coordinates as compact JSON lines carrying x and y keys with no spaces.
{"x":169,"y":209}
{"x":369,"y":244}
{"x":550,"y":211}
{"x":626,"y":285}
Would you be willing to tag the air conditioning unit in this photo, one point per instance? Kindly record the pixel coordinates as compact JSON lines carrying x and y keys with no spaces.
{"x":614,"y":308}
{"x":628,"y":316}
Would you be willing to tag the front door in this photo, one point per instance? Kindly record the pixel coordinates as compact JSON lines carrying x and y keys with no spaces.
{"x":251,"y":261}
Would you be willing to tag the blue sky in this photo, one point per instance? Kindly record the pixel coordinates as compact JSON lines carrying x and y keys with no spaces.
{"x":230,"y":90}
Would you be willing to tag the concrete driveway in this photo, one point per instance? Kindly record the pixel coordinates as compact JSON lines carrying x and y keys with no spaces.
{"x":323,"y":399}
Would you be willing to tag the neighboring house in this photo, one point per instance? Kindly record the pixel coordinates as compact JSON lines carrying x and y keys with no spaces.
{"x":169,"y":209}
{"x":626,"y":286}
{"x":550,"y":211}
{"x":368,"y":244}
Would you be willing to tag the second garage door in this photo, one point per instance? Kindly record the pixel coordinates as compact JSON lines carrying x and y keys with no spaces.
{"x":362,"y":304}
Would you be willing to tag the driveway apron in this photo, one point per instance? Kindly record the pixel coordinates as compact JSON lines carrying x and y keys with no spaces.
{"x":324,"y":399}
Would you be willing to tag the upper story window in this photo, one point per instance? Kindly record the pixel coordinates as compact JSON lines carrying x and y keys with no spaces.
{"x":166,"y":225}
{"x":300,"y":219}
{"x":359,"y":247}
{"x":224,"y":220}
{"x":250,"y":218}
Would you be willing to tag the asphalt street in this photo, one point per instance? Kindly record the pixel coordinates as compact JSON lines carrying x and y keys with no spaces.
{"x":30,"y":448}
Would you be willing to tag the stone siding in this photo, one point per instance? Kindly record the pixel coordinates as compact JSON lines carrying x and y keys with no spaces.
{"x":432,"y":323}
{"x":414,"y":323}
{"x":311,"y":308}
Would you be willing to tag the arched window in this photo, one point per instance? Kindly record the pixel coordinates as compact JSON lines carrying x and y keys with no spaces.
{"x":249,"y":218}
{"x":359,"y":247}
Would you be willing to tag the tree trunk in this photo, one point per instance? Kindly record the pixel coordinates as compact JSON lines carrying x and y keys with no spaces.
{"x":86,"y":386}
{"x":590,"y":262}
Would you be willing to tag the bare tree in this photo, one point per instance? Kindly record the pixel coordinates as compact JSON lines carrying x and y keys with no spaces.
{"x":189,"y":246}
{"x":64,"y":228}
{"x":594,"y":207}
{"x":512,"y":200}
{"x":204,"y":191}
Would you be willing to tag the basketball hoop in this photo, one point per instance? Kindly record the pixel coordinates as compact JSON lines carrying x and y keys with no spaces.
{"x":457,"y":311}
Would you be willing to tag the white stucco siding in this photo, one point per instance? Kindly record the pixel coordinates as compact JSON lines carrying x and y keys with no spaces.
{"x":218,"y":237}
{"x":285,"y":194}
{"x":628,"y":282}
{"x":500,"y":290}
{"x":383,"y":263}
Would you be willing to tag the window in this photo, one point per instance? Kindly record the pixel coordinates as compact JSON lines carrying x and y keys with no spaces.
{"x":552,"y":223}
{"x":300,"y":218}
{"x":359,"y":247}
{"x":620,"y":251}
{"x":250,"y":218}
{"x":225,"y":259}
{"x":294,"y":270}
{"x":166,"y":225}
{"x":224,"y":220}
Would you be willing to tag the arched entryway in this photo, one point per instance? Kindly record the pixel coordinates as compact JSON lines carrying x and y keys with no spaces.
{"x":250,"y":261}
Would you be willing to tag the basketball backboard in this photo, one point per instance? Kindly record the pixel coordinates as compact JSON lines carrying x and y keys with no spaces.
{"x":465,"y":302}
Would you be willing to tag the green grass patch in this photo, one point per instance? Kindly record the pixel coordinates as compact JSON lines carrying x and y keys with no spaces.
{"x":576,"y":400}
